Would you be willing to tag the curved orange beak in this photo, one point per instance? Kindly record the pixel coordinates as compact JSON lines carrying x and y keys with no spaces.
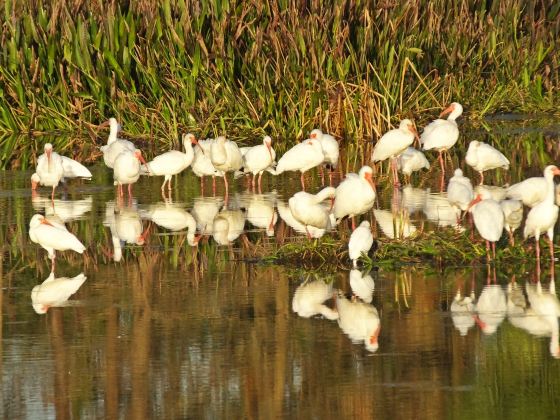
{"x":369,"y":179}
{"x":447,"y":110}
{"x":373,"y":338}
{"x":476,"y":200}
{"x":269,"y":150}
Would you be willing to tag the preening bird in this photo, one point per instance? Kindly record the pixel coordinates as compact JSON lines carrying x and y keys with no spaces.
{"x":360,"y":242}
{"x":355,"y":195}
{"x":114,"y":146}
{"x":483,"y":157}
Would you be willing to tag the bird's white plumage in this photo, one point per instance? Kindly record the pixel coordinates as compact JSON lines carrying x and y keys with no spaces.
{"x":362,"y":285}
{"x":308,"y":209}
{"x":546,"y":305}
{"x":530,"y":191}
{"x":483,"y":157}
{"x":394,"y":142}
{"x":491,"y":308}
{"x":329,"y":145}
{"x":115,"y":146}
{"x":359,"y":320}
{"x":488,"y":219}
{"x":225,"y":155}
{"x":53,"y":237}
{"x":126,"y":168}
{"x":227,"y":226}
{"x":442,"y":134}
{"x":360,"y":241}
{"x":55,"y":291}
{"x":543,"y":216}
{"x":50,"y":168}
{"x":459,"y":190}
{"x":513,"y":214}
{"x":286,"y":215}
{"x":302,"y":157}
{"x":462,"y":311}
{"x":310,"y":297}
{"x":394,"y":224}
{"x":412,"y":160}
{"x":355,"y":195}
{"x":202,"y":164}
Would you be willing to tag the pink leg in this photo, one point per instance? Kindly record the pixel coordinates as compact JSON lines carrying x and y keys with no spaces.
{"x":494,"y":250}
{"x":302,"y":182}
{"x":253,"y":182}
{"x":481,"y":177}
{"x":130,"y":190}
{"x":353,"y":224}
{"x":322,"y":174}
{"x":226,"y":184}
{"x":260,"y":182}
{"x":441,"y":162}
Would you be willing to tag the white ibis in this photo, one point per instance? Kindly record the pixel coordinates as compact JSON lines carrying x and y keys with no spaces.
{"x":286,"y":215}
{"x":520,"y":313}
{"x":261,"y":212}
{"x":360,"y":321}
{"x":172,"y":162}
{"x":227,"y":226}
{"x":225,"y":157}
{"x":259,"y":158}
{"x":438,"y":209}
{"x":393,"y":143}
{"x":204,"y":211}
{"x":412,"y":160}
{"x":49,"y":171}
{"x":53,"y":237}
{"x":441,"y":134}
{"x":394,"y":224}
{"x":460,"y":190}
{"x":355,"y":195}
{"x":362,"y":285}
{"x":531,"y":191}
{"x":114,"y":146}
{"x":55,"y":291}
{"x":330,"y":151}
{"x":302,"y":157}
{"x":488,"y":219}
{"x":496,"y":192}
{"x":126,"y":169}
{"x":202,"y":164}
{"x":310,"y":297}
{"x":483,"y":157}
{"x":308,"y":208}
{"x":542,"y":217}
{"x":360,"y":242}
{"x":513,"y":216}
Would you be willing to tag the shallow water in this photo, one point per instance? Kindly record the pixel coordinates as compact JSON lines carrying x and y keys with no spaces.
{"x":174,"y":331}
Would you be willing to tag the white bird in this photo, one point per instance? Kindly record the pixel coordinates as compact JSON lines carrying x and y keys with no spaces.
{"x":393,"y":143}
{"x":531,"y":191}
{"x":360,"y":321}
{"x":459,"y":190}
{"x":355,"y":195}
{"x":438,"y":209}
{"x":261,"y":213}
{"x":496,"y":192}
{"x":49,"y":171}
{"x":542,"y":217}
{"x":55,"y":291}
{"x":114,"y":146}
{"x":53,"y":237}
{"x":66,"y":210}
{"x":225,"y":157}
{"x":173,"y":217}
{"x":227,"y":226}
{"x":308,"y":209}
{"x":330,"y":151}
{"x":546,"y":305}
{"x":302,"y":157}
{"x":286,"y":215}
{"x":483,"y":157}
{"x":259,"y":158}
{"x":463,"y":312}
{"x":310,"y":297}
{"x":125,"y":225}
{"x":394,"y":225}
{"x":491,"y":308}
{"x":202,"y":164}
{"x":172,"y":162}
{"x":411,"y":160}
{"x":513,"y":216}
{"x":489,"y":220}
{"x":362,"y":285}
{"x":126,"y":169}
{"x":360,"y":242}
{"x":413,"y":199}
{"x":440,"y":134}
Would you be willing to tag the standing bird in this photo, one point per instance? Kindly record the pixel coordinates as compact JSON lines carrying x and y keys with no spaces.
{"x":172,"y":162}
{"x":127,"y":169}
{"x":411,"y":160}
{"x":310,"y":297}
{"x":49,"y":171}
{"x":308,"y":208}
{"x":330,"y":151}
{"x":202,"y":164}
{"x":359,"y":320}
{"x":225,"y":157}
{"x":355,"y":195}
{"x":393,"y":143}
{"x":543,"y":216}
{"x":531,"y":191}
{"x":259,"y":158}
{"x":489,"y":220}
{"x":513,"y":216}
{"x":440,"y":134}
{"x":53,"y":237}
{"x":360,"y":241}
{"x":302,"y":157}
{"x":114,"y":146}
{"x":55,"y":291}
{"x":483,"y":157}
{"x":460,"y":190}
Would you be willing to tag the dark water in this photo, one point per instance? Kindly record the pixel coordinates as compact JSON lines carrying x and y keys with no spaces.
{"x":174,"y":331}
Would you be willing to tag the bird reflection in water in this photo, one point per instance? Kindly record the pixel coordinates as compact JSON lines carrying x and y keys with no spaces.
{"x":55,"y":291}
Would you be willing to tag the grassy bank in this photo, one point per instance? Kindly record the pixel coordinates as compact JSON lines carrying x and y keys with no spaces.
{"x":282,"y":67}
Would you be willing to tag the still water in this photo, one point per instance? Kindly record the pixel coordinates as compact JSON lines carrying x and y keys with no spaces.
{"x":156,"y":328}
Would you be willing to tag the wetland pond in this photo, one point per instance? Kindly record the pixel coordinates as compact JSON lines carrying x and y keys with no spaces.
{"x":156,"y":328}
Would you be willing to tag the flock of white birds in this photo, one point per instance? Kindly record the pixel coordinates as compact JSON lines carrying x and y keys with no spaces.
{"x":354,"y":196}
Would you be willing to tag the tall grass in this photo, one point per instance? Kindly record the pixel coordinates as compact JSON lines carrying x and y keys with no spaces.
{"x":283,"y":66}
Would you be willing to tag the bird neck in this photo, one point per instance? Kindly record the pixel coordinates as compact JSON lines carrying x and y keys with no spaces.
{"x":112,"y":135}
{"x":549,"y":198}
{"x":327,"y":312}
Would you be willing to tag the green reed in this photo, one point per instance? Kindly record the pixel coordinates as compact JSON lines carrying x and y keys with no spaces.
{"x":282,"y":67}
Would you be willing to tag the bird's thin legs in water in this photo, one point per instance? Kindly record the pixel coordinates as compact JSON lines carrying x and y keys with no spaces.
{"x":302,"y":182}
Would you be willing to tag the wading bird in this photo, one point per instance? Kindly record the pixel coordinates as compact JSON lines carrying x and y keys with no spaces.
{"x":483,"y":157}
{"x":355,"y":195}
